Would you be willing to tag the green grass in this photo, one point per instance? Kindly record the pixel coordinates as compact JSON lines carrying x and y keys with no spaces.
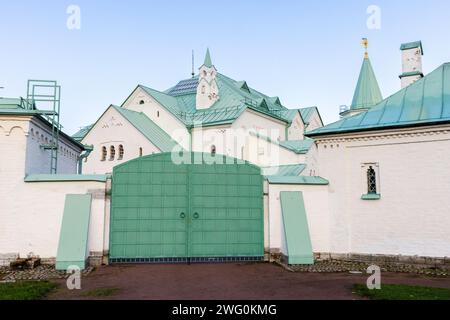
{"x":28,"y":290}
{"x":102,"y":292}
{"x":402,"y":292}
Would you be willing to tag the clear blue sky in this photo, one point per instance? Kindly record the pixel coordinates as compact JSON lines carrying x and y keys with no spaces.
{"x":306,"y":52}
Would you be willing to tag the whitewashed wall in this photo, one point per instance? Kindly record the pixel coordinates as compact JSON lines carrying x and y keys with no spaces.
{"x":317,"y":213}
{"x":252,"y":120}
{"x":297,"y":128}
{"x":38,"y":159}
{"x":113,"y":130}
{"x":412,"y":217}
{"x":159,"y":115}
{"x":31,"y":213}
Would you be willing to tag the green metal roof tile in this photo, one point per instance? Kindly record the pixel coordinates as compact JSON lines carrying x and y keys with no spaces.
{"x":303,"y":180}
{"x":298,"y":146}
{"x":425,"y":102}
{"x":207,"y":62}
{"x":148,"y":128}
{"x":411,"y":73}
{"x":367,"y":92}
{"x":80,"y":134}
{"x":284,"y":170}
{"x":307,"y":113}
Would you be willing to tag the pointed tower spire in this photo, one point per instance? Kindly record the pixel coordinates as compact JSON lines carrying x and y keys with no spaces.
{"x":207,"y":88}
{"x":367,"y":92}
{"x":207,"y":62}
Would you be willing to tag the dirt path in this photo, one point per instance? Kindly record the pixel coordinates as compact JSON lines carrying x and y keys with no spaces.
{"x":227,"y":281}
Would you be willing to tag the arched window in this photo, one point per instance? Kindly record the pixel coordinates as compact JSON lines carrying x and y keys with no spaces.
{"x":141,"y":102}
{"x":213,"y":150}
{"x":121,"y":151}
{"x":371,"y":181}
{"x":140,"y":152}
{"x":112,"y":153}
{"x":157,"y":114}
{"x":104,"y":152}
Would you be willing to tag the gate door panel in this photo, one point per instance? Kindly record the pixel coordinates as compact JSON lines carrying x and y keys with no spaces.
{"x":149,"y":209}
{"x":226,"y":208}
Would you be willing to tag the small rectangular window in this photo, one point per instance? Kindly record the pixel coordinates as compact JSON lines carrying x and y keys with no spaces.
{"x":371,"y":181}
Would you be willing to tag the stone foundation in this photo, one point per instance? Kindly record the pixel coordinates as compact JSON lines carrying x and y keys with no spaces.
{"x":7,"y":258}
{"x":442,"y":263}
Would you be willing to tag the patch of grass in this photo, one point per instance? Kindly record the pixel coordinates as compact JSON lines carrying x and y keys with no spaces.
{"x":102,"y":292}
{"x":26,"y":290}
{"x":402,"y":292}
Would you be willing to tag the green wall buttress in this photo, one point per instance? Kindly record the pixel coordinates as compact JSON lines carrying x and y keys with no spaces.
{"x":72,"y":247}
{"x":296,"y":230}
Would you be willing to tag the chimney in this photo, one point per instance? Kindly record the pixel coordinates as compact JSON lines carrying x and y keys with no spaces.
{"x":412,"y":53}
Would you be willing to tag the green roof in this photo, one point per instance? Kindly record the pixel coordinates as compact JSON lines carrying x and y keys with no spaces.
{"x":148,"y":128}
{"x":235,"y":97}
{"x":143,"y":124}
{"x":367,"y":92}
{"x":207,"y":62}
{"x":80,"y":134}
{"x":284,"y":170}
{"x":307,"y":113}
{"x":306,"y":180}
{"x":411,"y":73}
{"x":412,"y":45}
{"x":425,"y":102}
{"x":297,"y":146}
{"x":22,"y":107}
{"x":65,"y":177}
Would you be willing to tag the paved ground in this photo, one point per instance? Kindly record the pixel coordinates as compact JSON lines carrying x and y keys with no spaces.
{"x":227,"y":281}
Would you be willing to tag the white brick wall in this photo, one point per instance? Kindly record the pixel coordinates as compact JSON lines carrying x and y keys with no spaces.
{"x":412,"y":217}
{"x":31,"y":213}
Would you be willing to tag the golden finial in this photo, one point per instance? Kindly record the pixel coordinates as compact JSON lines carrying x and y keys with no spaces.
{"x":365,"y":44}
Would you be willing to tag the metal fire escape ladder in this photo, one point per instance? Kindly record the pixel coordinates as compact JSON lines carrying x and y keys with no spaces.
{"x":45,"y":95}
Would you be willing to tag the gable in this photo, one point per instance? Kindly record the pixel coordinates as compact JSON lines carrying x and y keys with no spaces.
{"x":115,"y":118}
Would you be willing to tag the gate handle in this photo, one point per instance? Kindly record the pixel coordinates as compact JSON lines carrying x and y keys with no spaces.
{"x":182,"y":215}
{"x":196,"y":215}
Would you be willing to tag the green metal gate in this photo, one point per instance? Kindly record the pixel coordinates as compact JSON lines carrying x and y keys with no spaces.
{"x":167,"y":212}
